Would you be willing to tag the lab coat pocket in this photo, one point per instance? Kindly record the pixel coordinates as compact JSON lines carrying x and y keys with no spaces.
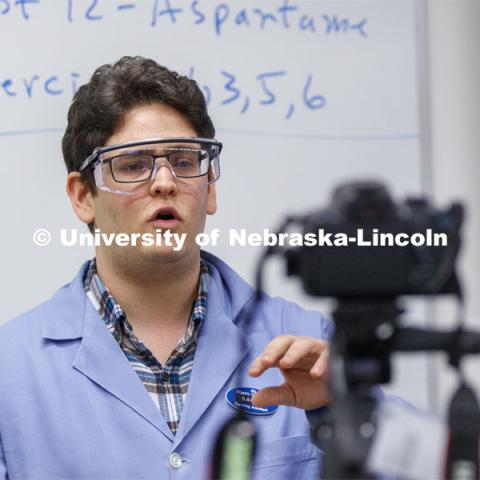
{"x":292,"y":457}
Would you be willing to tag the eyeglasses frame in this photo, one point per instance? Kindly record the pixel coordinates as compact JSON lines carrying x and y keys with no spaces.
{"x":95,"y":158}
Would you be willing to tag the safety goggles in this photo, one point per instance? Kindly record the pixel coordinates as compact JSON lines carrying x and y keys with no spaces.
{"x":127,"y":168}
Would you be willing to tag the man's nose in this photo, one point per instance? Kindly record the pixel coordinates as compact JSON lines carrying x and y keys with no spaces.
{"x":163,"y":182}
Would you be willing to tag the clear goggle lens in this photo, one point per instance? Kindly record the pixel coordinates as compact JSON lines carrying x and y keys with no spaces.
{"x":128,"y":171}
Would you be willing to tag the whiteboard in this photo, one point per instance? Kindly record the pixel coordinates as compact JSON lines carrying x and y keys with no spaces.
{"x":303,"y":95}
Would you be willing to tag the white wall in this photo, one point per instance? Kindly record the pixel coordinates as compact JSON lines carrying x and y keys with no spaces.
{"x":454,"y":64}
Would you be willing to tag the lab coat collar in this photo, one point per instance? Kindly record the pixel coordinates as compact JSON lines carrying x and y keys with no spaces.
{"x":70,"y":315}
{"x":71,"y":302}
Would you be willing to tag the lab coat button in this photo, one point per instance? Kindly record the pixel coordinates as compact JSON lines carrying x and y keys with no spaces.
{"x":175,"y":460}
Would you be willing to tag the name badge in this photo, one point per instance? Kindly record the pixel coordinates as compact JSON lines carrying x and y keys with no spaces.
{"x":241,"y":399}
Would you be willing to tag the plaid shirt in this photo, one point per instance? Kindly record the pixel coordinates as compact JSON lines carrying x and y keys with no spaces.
{"x":167,"y":384}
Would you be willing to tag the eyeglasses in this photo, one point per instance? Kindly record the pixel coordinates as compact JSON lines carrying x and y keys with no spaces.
{"x":126,"y":168}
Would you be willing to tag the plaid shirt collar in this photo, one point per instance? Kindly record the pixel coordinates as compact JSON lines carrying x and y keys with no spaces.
{"x":116,"y":320}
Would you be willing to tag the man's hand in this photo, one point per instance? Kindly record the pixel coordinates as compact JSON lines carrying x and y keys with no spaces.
{"x":303,"y":362}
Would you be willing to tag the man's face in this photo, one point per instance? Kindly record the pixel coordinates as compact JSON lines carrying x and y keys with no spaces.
{"x":133,"y":213}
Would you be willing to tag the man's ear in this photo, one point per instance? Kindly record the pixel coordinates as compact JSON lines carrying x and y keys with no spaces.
{"x":211,"y":200}
{"x":81,"y":198}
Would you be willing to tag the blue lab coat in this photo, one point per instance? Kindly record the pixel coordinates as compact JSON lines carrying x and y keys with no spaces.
{"x":71,"y":405}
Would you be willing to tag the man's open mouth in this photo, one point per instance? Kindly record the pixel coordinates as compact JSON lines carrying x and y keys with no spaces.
{"x":165,"y":214}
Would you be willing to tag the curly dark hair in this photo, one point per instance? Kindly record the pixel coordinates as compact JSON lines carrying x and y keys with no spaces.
{"x":98,"y":107}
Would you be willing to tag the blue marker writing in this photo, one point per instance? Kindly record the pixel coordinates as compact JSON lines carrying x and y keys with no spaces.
{"x":222,"y":12}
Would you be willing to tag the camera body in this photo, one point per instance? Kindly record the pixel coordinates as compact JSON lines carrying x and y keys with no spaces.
{"x":372,"y":247}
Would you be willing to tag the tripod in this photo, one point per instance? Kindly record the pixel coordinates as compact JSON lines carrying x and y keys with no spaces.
{"x":366,"y":335}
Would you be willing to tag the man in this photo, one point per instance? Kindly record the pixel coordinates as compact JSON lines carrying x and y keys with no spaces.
{"x":126,"y":371}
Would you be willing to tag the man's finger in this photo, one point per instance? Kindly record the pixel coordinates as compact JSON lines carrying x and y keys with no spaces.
{"x":272,"y":353}
{"x":320,"y":367}
{"x":281,"y":395}
{"x":304,"y":350}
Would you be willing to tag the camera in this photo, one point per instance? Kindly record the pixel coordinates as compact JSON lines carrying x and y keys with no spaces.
{"x":369,"y":246}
